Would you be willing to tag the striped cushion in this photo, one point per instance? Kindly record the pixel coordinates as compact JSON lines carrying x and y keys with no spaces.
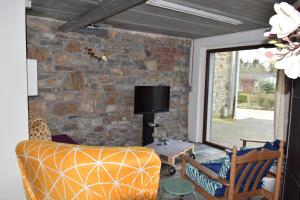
{"x":209,"y":185}
{"x":225,"y":167}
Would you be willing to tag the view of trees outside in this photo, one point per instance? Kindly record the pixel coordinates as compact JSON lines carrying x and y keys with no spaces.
{"x":257,"y":85}
{"x":256,"y":66}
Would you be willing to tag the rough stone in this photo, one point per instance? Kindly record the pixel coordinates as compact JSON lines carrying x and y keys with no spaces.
{"x":68,"y":127}
{"x":120,"y":71}
{"x":111,"y":108}
{"x":51,"y":42}
{"x":77,"y":80}
{"x":97,"y":122}
{"x":222,"y":91}
{"x":38,"y":107}
{"x":93,"y":101}
{"x":62,"y":109}
{"x":40,"y":54}
{"x":109,"y":88}
{"x":151,"y":64}
{"x":98,"y":129}
{"x":73,"y":46}
{"x":63,"y":68}
{"x":104,"y":78}
{"x":110,"y":98}
{"x":165,"y":67}
{"x":61,"y":58}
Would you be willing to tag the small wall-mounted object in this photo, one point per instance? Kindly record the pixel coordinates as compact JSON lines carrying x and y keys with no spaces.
{"x":32,"y":79}
{"x":93,"y":54}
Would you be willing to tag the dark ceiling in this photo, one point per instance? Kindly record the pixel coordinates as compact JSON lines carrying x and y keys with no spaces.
{"x":254,"y":14}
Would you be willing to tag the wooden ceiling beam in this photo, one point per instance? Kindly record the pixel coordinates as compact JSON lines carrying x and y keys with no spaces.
{"x":107,"y":8}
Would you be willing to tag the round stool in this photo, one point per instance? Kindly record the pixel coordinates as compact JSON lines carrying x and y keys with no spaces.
{"x":177,"y":187}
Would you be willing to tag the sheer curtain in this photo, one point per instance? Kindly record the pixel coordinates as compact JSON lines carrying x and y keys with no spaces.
{"x":282,"y":104}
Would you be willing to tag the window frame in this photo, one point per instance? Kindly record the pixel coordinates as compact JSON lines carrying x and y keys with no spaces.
{"x":207,"y":80}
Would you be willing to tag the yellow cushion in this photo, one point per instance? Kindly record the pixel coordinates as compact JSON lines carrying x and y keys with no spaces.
{"x":65,"y":171}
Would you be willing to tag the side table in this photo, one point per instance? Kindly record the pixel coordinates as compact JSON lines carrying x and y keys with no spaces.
{"x":177,"y":187}
{"x":168,"y":153}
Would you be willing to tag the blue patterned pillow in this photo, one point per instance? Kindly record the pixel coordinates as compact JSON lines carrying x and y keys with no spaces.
{"x":274,"y":146}
{"x":211,"y":186}
{"x":225,"y":167}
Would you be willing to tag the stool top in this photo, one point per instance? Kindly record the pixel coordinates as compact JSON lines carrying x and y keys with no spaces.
{"x":178,"y":186}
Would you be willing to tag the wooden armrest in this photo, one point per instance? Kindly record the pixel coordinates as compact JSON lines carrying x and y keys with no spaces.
{"x":256,"y":141}
{"x":211,"y":174}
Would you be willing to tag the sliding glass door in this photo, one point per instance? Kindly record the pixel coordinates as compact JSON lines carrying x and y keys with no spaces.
{"x":240,"y":96}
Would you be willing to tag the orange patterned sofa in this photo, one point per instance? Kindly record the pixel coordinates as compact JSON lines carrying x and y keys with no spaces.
{"x":65,"y":171}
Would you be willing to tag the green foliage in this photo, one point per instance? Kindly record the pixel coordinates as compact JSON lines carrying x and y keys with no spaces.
{"x":266,"y":102}
{"x":272,"y":68}
{"x":261,"y":101}
{"x":266,"y":86}
{"x":254,"y":66}
{"x":242,"y":98}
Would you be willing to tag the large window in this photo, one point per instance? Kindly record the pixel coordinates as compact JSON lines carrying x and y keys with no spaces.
{"x":240,"y":96}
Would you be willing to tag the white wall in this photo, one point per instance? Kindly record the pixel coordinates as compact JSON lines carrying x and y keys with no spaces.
{"x":13,"y":95}
{"x":196,"y":97}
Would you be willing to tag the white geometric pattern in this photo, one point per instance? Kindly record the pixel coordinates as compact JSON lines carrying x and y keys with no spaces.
{"x":63,"y":171}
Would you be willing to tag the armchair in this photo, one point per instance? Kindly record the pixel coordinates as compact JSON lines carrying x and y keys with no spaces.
{"x":272,"y":172}
{"x":65,"y":171}
{"x":238,"y":176}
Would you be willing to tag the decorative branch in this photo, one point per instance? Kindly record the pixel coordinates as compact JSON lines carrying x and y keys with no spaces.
{"x":289,"y":44}
{"x":285,"y":35}
{"x":93,"y":54}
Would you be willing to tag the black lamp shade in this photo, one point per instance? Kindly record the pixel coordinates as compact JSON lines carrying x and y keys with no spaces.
{"x":151,"y":99}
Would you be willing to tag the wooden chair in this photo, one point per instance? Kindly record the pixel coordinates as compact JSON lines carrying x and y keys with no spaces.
{"x":272,"y":172}
{"x":245,"y":171}
{"x":245,"y":141}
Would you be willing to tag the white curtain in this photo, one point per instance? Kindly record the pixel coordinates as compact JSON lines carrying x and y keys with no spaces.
{"x":282,"y":103}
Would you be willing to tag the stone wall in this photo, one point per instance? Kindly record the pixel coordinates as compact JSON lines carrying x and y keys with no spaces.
{"x":93,"y":101}
{"x":223,"y":83}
